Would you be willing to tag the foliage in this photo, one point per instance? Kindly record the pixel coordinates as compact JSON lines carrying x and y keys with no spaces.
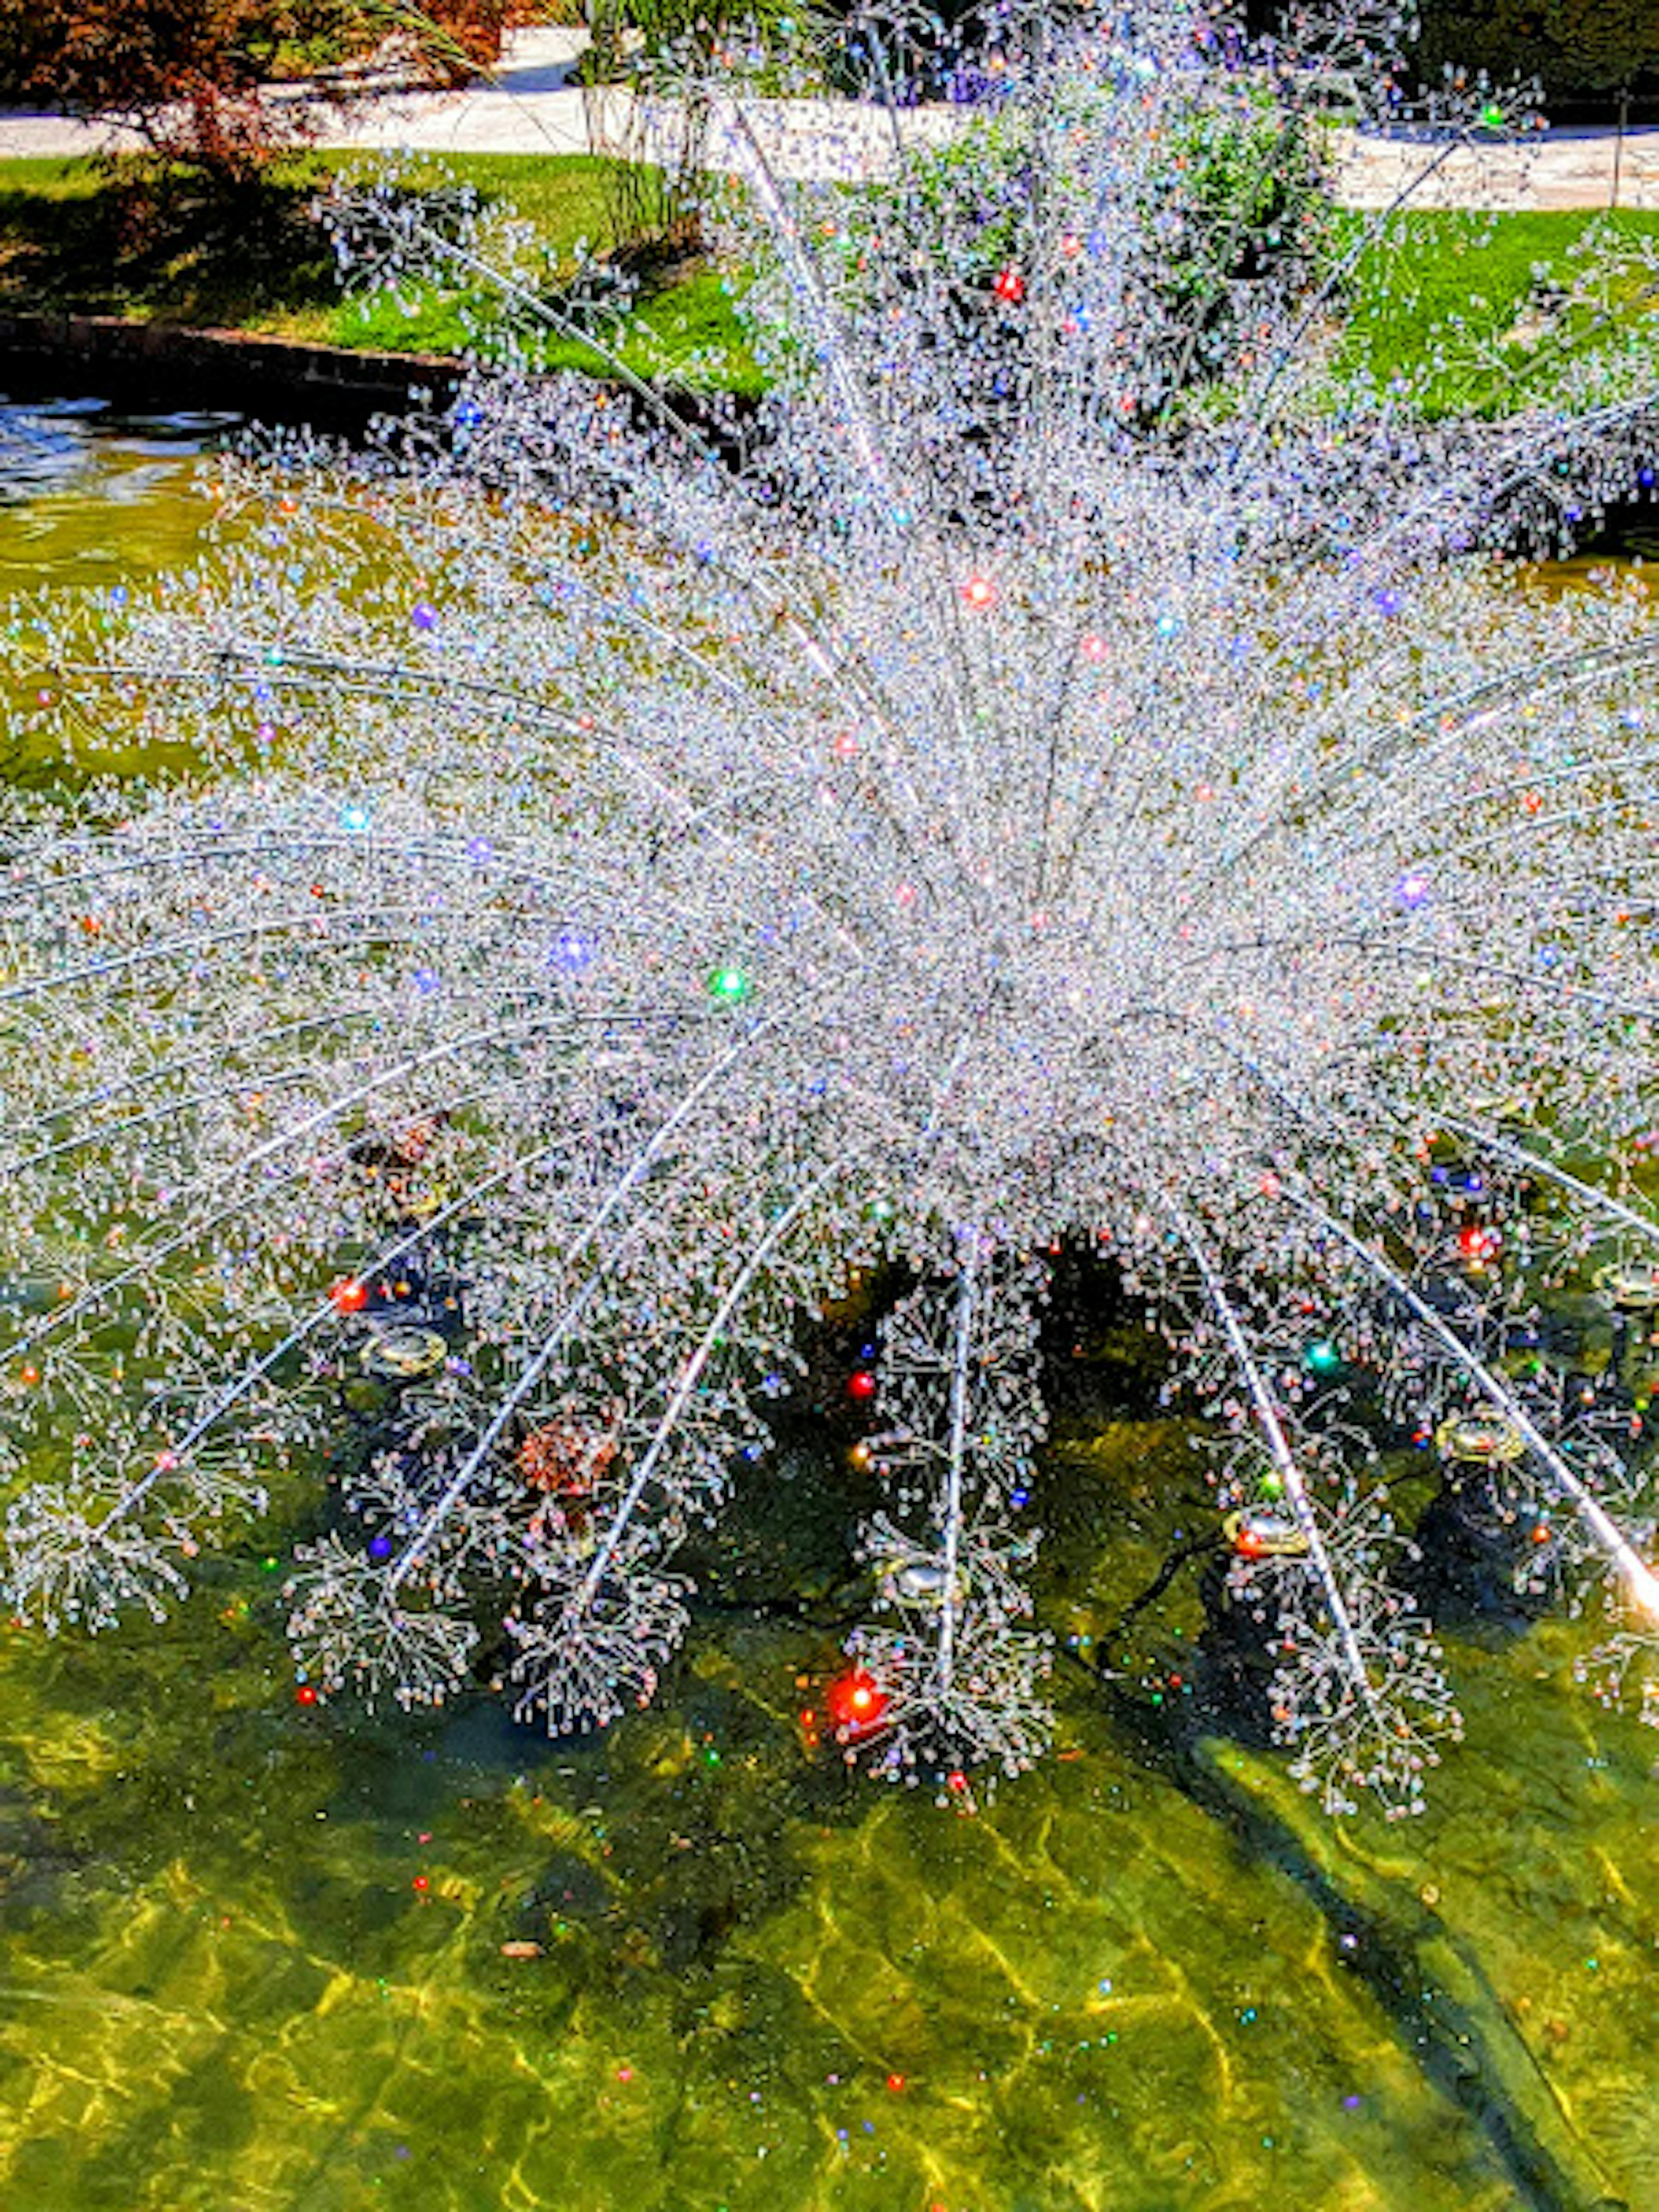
{"x":194,"y":78}
{"x":186,"y":74}
{"x":1574,"y":46}
{"x":661,"y":43}
{"x":1239,"y":203}
{"x":664,"y":52}
{"x":446,"y":41}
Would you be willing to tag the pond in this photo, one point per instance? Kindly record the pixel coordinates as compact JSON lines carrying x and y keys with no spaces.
{"x":89,"y":495}
{"x":276,"y":1957}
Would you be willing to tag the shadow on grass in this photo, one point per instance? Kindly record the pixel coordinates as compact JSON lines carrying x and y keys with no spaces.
{"x":89,"y":238}
{"x":83,"y":238}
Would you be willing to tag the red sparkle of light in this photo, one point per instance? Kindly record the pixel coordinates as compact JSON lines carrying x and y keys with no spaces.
{"x":1010,"y":287}
{"x":348,"y":1297}
{"x":861,"y":1386}
{"x":980,"y":593}
{"x":857,"y":1703}
{"x":306,"y":1694}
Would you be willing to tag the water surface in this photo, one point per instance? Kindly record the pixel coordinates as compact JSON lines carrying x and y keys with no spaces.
{"x":89,"y":496}
{"x":253,"y":1955}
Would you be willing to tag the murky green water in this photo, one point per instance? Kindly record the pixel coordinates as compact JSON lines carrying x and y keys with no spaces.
{"x":88,"y":496}
{"x":253,"y":1953}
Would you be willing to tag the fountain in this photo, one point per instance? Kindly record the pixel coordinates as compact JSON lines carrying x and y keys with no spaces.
{"x":1074,"y":768}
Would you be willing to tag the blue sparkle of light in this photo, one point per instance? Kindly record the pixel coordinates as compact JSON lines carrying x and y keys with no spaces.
{"x":572,"y":952}
{"x":356,"y":818}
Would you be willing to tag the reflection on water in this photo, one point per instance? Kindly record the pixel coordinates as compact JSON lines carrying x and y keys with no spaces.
{"x":256,"y":1957}
{"x":87,"y":495}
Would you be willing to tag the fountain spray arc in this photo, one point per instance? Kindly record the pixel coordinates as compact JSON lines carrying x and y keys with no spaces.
{"x":1072,"y":764}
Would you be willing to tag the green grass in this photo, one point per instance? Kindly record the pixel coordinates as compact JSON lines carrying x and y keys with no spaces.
{"x":1443,"y":309}
{"x":77,"y":237}
{"x":1449,"y":303}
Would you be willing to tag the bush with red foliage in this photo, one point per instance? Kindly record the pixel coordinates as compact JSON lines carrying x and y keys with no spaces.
{"x":200,"y":82}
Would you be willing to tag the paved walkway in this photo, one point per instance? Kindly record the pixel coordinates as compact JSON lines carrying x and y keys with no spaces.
{"x":1556,"y":169}
{"x":533,"y":108}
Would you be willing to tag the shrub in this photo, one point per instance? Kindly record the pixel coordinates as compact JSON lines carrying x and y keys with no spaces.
{"x":197,"y":79}
{"x":1575,"y":47}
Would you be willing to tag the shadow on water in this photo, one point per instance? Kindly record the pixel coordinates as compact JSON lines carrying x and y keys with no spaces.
{"x":1448,"y":2017}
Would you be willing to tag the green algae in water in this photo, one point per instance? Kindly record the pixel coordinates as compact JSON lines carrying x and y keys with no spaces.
{"x":254,"y":1953}
{"x":254,"y":1956}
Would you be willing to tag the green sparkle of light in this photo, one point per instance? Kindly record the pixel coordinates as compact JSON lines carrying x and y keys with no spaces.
{"x":729,"y":985}
{"x":1492,"y":117}
{"x":1321,"y":1357}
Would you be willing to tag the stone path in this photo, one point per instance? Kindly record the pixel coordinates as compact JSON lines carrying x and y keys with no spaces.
{"x":533,"y":108}
{"x":1556,"y":169}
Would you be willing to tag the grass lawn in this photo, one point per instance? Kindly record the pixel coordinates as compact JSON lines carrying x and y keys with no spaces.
{"x":1448,"y":307}
{"x":76,"y":236}
{"x":1457,"y":302}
